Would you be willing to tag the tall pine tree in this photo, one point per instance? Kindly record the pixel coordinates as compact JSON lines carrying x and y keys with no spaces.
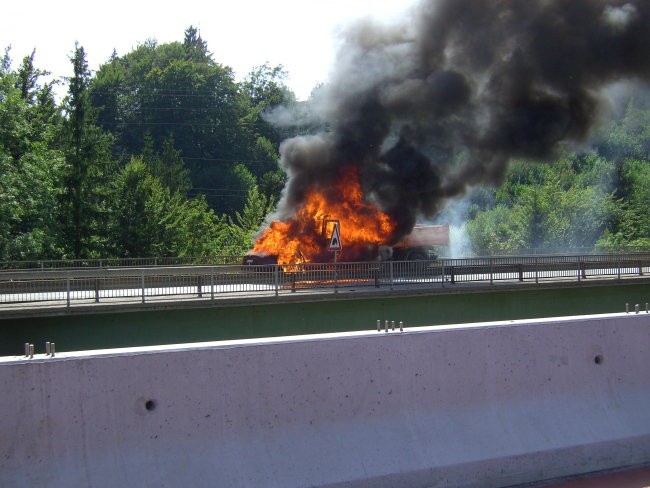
{"x":87,"y":151}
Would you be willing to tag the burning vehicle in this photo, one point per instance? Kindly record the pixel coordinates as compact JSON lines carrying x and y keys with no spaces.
{"x":367,"y":233}
{"x":423,"y":243}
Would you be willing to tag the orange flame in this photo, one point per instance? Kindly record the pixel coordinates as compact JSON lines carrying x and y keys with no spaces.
{"x":363,"y":227}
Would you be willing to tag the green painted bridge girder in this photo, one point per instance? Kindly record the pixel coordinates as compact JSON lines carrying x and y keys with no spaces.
{"x":183,"y":322}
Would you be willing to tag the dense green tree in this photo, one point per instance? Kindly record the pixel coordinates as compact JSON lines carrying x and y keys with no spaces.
{"x":499,"y":230}
{"x":87,"y":151}
{"x":266,"y":90}
{"x":627,"y":137}
{"x":238,"y":239}
{"x":149,"y":220}
{"x":30,"y":166}
{"x":630,"y":224}
{"x":195,"y":47}
{"x":177,"y":91}
{"x":29,"y":197}
{"x":168,"y":165}
{"x":552,"y":207}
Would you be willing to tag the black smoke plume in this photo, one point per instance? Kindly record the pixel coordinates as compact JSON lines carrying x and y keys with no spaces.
{"x":445,"y":99}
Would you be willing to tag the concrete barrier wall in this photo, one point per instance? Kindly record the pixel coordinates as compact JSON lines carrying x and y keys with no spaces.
{"x":481,"y":405}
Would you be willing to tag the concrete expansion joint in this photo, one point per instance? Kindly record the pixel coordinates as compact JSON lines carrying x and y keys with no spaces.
{"x":392,"y":326}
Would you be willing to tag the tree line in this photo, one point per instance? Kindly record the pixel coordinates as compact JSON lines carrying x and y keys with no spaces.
{"x":162,"y":152}
{"x":159,"y":153}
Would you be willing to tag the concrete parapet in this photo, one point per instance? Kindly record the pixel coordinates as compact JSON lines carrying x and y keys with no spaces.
{"x":478,"y":405}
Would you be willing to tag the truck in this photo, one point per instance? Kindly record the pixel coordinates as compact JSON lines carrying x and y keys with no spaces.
{"x":425,"y":242}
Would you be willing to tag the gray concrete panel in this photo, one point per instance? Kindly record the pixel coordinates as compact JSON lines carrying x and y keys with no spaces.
{"x":479,"y":405}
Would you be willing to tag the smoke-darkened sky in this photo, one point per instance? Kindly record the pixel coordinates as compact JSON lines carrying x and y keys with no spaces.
{"x":444,"y":100}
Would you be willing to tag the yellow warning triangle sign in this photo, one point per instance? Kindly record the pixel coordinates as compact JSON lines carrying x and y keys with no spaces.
{"x":335,"y":240}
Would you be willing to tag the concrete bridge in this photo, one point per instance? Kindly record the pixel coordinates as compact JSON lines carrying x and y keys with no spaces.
{"x":170,"y":319}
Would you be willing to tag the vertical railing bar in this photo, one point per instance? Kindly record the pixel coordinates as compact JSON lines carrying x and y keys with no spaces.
{"x":212,"y":283}
{"x":142,"y":283}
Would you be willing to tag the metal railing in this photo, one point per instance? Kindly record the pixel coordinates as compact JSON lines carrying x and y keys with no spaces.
{"x":49,"y":264}
{"x":69,"y":286}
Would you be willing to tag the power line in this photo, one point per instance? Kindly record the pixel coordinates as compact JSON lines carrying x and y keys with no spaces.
{"x":234,"y":160}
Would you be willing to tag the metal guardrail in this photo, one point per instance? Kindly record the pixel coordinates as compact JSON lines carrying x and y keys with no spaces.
{"x":77,"y":285}
{"x":49,"y":264}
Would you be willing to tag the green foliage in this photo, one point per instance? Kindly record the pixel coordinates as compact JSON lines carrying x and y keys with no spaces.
{"x":88,"y":169}
{"x":29,"y":192}
{"x":63,"y":193}
{"x":177,"y":91}
{"x":556,"y":207}
{"x":272,"y":184}
{"x":167,"y":165}
{"x":499,"y":230}
{"x":30,"y":165}
{"x":629,"y":136}
{"x":239,"y":238}
{"x":630,"y":223}
{"x":149,"y":220}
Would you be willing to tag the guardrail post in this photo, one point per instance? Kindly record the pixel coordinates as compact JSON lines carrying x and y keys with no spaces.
{"x":336,"y":276}
{"x":452,"y":278}
{"x":579,"y":270}
{"x":276,"y":278}
{"x":67,"y":289}
{"x":212,"y":283}
{"x":442,"y":276}
{"x":142,"y":283}
{"x":199,"y":285}
{"x":491,"y":271}
{"x":96,"y":290}
{"x":390,"y":272}
{"x":536,"y":271}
